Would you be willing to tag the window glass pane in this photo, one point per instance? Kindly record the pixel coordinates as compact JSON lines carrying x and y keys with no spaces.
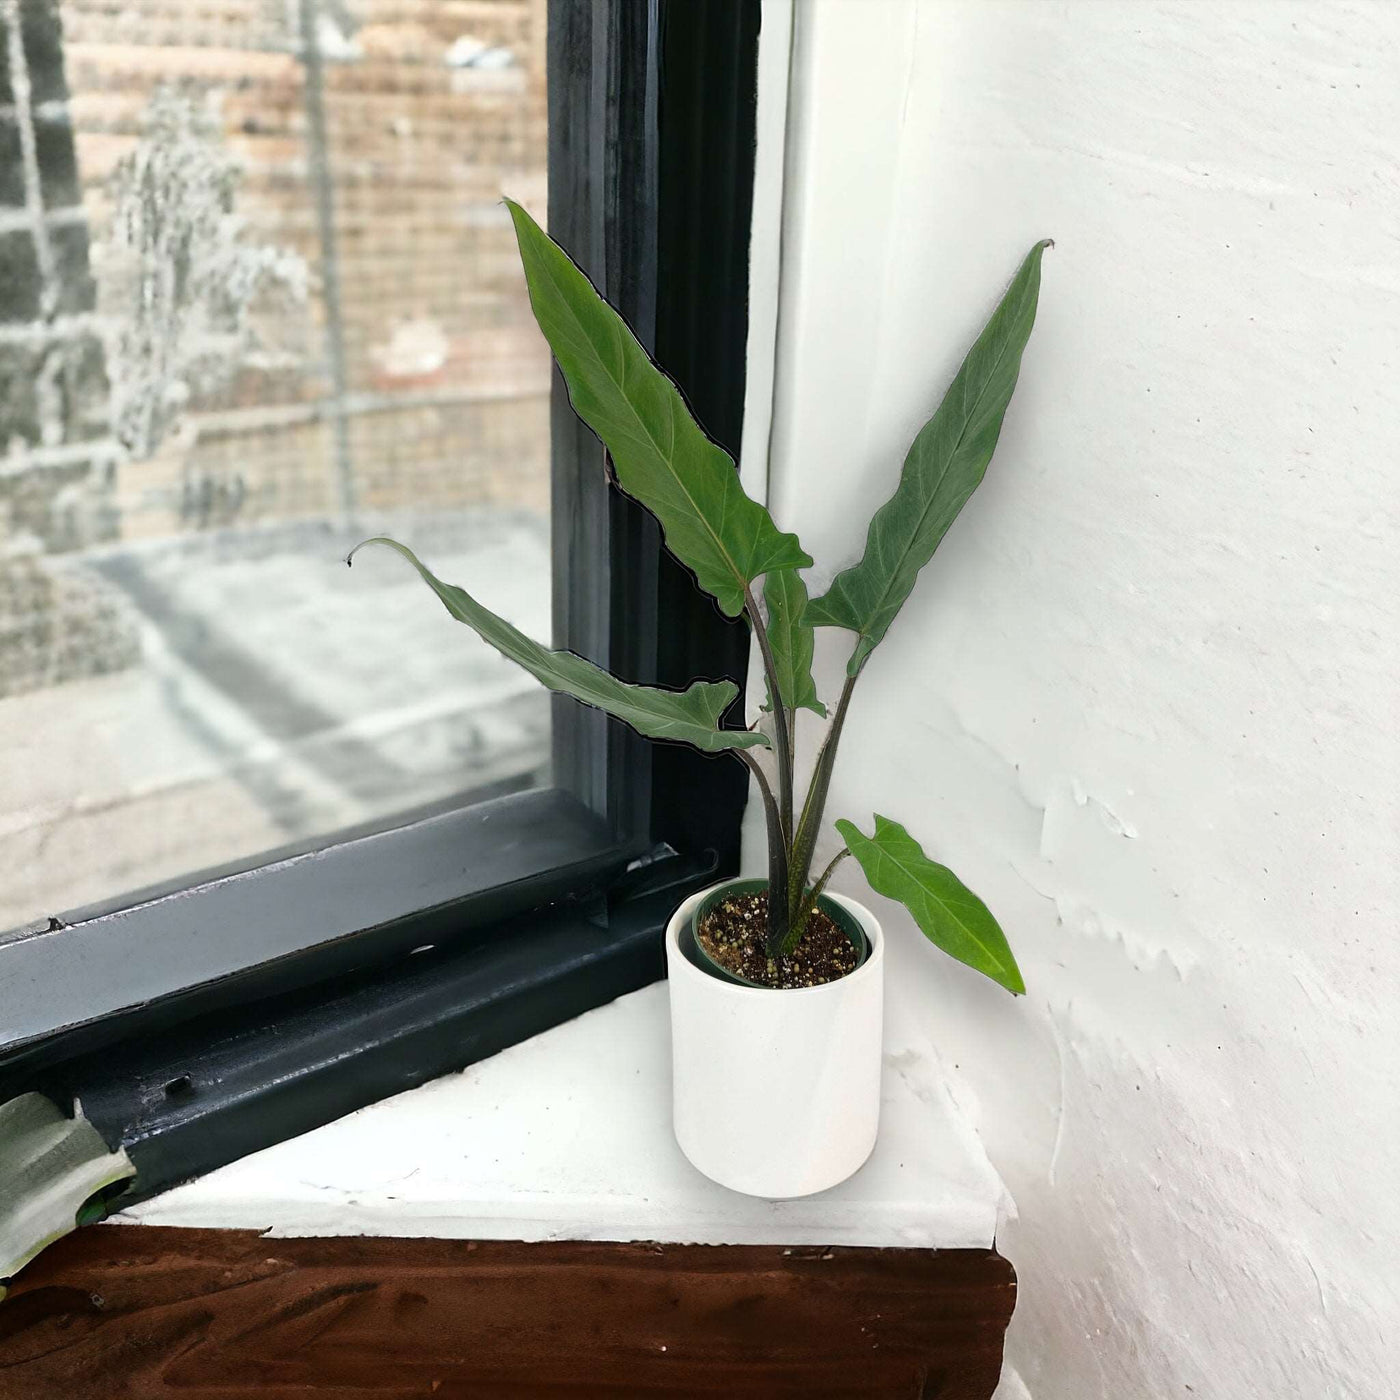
{"x":258,"y":300}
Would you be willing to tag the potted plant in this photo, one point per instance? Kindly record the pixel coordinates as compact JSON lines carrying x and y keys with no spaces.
{"x":776,"y":984}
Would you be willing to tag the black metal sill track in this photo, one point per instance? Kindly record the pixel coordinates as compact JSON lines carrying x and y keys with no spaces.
{"x":100,"y":976}
{"x":205,"y":1093}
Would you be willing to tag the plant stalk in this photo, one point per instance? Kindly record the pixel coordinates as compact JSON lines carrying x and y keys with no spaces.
{"x":825,"y":878}
{"x":782,"y":732}
{"x":777,"y":856}
{"x":798,"y":925}
{"x":779,"y":842}
{"x":805,"y":841}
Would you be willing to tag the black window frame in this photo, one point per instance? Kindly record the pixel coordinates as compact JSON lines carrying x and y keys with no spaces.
{"x":195,"y":1024}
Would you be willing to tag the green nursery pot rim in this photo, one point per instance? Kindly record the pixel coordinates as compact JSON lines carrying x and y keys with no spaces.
{"x":842,"y":917}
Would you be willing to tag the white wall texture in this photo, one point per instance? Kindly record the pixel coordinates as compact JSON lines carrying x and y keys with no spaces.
{"x":1145,"y":698}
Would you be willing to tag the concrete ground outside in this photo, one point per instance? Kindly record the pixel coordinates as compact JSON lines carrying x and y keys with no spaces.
{"x":279,"y":698}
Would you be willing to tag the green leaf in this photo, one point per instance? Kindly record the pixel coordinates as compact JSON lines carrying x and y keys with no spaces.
{"x":950,"y":915}
{"x":660,"y":454}
{"x":688,"y":716}
{"x":792,"y":639}
{"x":943,"y":467}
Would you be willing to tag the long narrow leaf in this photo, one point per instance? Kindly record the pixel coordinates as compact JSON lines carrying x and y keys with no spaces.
{"x":950,"y":915}
{"x":688,"y":716}
{"x":660,"y":454}
{"x":791,"y":636}
{"x":942,"y":469}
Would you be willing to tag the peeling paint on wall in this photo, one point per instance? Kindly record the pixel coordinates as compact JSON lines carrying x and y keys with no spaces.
{"x":1144,"y":699}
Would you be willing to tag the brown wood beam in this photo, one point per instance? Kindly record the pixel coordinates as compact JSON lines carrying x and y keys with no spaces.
{"x":132,"y":1312}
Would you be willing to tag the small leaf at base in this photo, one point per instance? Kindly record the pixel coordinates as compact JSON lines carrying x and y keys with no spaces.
{"x":947,"y":912}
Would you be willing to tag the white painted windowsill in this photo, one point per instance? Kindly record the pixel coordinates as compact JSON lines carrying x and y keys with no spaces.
{"x":568,"y":1136}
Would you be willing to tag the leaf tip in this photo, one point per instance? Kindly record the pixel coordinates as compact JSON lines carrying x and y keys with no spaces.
{"x":520,"y":218}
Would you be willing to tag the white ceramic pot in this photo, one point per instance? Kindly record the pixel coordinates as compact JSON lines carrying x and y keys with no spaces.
{"x":776,"y":1092}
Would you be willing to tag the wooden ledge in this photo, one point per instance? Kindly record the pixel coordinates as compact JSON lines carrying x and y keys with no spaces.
{"x":130,"y":1312}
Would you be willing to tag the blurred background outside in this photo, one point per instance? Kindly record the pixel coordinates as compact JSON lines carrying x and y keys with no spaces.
{"x":259,"y":299}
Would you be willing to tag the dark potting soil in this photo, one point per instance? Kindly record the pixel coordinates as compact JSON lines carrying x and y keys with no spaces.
{"x":734,"y":934}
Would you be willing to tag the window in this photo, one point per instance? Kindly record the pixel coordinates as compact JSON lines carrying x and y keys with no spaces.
{"x":263,"y":301}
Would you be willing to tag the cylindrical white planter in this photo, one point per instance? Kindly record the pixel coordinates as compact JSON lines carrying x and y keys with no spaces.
{"x":776,"y":1092}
